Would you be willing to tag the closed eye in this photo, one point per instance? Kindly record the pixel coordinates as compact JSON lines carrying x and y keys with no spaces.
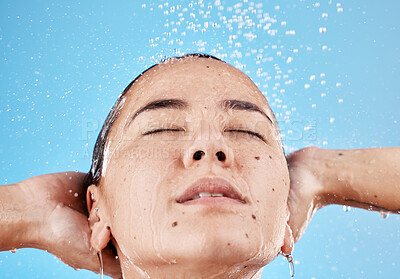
{"x":247,"y":132}
{"x":162,"y":130}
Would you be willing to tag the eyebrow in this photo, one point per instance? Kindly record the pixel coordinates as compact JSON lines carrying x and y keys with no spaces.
{"x":160,"y":104}
{"x":181,"y":104}
{"x":243,"y":105}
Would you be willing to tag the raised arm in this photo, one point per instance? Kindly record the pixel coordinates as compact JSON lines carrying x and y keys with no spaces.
{"x":17,"y":226}
{"x":364,"y":178}
{"x":49,"y":212}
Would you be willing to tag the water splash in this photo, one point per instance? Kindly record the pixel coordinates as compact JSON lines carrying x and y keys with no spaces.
{"x":101,"y":264}
{"x":289,"y":258}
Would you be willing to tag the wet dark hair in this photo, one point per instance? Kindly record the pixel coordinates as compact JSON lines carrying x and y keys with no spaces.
{"x":94,"y":175}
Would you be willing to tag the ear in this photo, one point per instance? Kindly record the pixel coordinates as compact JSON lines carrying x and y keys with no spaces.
{"x":288,"y":243}
{"x":100,"y":230}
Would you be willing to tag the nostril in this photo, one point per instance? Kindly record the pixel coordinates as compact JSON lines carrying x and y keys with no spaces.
{"x":221,"y":156}
{"x":197,"y":155}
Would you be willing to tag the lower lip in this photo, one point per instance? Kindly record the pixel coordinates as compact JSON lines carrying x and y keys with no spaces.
{"x":214,"y":201}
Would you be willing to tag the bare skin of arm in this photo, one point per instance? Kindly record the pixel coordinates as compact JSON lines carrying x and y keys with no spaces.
{"x":364,"y":178}
{"x":48,"y":212}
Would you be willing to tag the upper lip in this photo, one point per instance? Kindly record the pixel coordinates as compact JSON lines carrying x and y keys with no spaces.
{"x":211,"y":185}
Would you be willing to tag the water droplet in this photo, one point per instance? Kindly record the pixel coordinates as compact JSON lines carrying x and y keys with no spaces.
{"x":346,"y":208}
{"x":322,"y":30}
{"x":384,"y":214}
{"x":13,"y":250}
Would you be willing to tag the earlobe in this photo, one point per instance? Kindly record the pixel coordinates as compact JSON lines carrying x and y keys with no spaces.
{"x":100,"y":236}
{"x":100,"y":230}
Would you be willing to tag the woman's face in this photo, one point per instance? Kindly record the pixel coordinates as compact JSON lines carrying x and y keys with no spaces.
{"x":207,"y":137}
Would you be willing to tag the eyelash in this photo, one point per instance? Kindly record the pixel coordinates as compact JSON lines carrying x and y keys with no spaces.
{"x":181,"y":130}
{"x":162,"y":130}
{"x":247,"y":132}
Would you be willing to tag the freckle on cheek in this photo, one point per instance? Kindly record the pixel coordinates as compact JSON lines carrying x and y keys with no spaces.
{"x":253,"y":216}
{"x":257,"y":157}
{"x":258,"y":201}
{"x":174,"y":224}
{"x":273,"y":189}
{"x":246,"y":235}
{"x":229,"y":244}
{"x":270,"y":156}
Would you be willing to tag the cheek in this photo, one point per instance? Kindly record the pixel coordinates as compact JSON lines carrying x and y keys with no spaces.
{"x":267,"y":175}
{"x":133,"y":177}
{"x":266,"y":169}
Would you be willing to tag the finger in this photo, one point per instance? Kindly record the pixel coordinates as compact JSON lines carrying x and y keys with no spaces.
{"x":66,"y":187}
{"x":111,"y":263}
{"x":110,"y":259}
{"x":298,"y":215}
{"x":69,"y":229}
{"x":71,"y":189}
{"x":68,"y":235}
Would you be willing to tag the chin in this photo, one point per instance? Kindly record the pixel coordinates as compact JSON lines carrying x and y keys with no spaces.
{"x":216,"y":254}
{"x":215,"y":247}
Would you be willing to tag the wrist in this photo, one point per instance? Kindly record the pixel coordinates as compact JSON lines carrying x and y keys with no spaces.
{"x":19,"y":217}
{"x":334,"y":174}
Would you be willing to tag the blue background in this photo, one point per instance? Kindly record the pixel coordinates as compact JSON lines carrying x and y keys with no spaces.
{"x":329,"y":70}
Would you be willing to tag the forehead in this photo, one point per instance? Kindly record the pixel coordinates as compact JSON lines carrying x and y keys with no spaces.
{"x":200,"y":82}
{"x":196,"y":80}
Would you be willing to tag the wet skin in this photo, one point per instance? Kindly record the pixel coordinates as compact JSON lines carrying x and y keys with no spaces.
{"x":150,"y":163}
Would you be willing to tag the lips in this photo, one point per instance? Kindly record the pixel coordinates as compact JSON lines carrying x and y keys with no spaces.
{"x":210,"y":188}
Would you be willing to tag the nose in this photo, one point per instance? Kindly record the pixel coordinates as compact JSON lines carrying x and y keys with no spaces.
{"x":200,"y":153}
{"x":208,"y":146}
